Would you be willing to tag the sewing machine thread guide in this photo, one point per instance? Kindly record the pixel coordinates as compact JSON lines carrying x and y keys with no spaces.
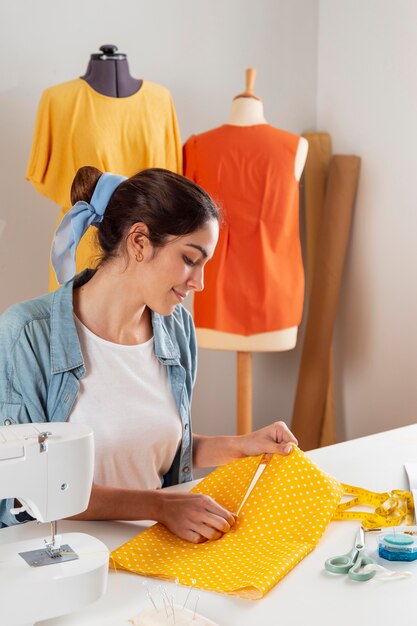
{"x":41,"y":557}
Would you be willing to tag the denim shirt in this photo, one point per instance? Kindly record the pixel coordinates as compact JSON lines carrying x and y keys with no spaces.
{"x":41,"y":365}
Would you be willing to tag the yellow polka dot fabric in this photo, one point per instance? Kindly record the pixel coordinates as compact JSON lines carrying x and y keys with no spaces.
{"x":281,"y":521}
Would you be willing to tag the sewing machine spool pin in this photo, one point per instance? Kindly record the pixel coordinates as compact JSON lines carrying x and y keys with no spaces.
{"x":43,"y":440}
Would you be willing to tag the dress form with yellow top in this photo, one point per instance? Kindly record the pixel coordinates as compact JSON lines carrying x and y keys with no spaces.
{"x":79,"y":125}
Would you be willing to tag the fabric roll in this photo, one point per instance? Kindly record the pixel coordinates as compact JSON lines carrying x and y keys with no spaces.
{"x":316,"y":173}
{"x":331,"y":250}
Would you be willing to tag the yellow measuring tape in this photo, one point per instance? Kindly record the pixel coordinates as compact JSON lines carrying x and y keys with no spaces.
{"x":390,"y":508}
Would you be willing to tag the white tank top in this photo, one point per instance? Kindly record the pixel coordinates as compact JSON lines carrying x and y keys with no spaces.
{"x":126,"y":398}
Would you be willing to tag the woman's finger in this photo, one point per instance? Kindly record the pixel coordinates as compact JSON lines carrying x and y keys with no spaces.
{"x":285,"y":435}
{"x":217,"y":522}
{"x":216,"y":509}
{"x":208,"y":532}
{"x":193,"y":537}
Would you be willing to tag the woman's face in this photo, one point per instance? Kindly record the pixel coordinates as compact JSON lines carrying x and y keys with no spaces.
{"x":170,"y":273}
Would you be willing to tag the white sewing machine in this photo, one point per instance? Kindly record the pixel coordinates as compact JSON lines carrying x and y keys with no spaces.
{"x":49,"y":469}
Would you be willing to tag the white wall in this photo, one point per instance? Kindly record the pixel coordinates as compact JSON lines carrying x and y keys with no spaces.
{"x":199,"y":49}
{"x":367,"y":100}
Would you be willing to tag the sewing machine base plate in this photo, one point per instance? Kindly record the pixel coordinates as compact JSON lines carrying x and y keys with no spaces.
{"x":39,"y":558}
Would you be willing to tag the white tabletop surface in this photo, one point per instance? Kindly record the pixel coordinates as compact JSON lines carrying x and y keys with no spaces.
{"x":308,"y":594}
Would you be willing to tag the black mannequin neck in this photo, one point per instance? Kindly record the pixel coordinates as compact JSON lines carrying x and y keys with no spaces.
{"x":111,"y":78}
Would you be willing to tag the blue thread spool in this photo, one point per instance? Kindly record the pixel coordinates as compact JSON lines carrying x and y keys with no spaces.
{"x":397,"y":547}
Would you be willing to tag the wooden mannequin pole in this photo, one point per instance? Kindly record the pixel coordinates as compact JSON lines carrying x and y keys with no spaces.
{"x":244,"y":393}
{"x":250,"y":76}
{"x":250,"y":79}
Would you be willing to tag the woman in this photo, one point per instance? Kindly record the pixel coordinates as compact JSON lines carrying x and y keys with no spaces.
{"x":115,"y":349}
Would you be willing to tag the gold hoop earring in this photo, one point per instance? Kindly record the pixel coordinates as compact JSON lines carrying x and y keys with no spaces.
{"x":139,"y":257}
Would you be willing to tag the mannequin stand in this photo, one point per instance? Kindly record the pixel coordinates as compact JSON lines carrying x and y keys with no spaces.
{"x":247,"y":111}
{"x":244,"y":393}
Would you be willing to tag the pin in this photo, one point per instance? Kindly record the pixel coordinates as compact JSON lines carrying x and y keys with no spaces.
{"x":173,"y":610}
{"x":149,"y":595}
{"x":163,"y":599}
{"x":193,"y":582}
{"x":195,"y":608}
{"x":170,"y":604}
{"x":165,"y":606}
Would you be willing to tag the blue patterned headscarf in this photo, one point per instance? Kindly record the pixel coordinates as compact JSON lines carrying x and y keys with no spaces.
{"x":76,"y":222}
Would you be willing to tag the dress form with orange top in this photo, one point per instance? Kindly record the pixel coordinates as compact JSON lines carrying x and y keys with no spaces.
{"x":247,"y":111}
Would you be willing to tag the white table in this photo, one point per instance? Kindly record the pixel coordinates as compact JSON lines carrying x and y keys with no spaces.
{"x":308,"y":594}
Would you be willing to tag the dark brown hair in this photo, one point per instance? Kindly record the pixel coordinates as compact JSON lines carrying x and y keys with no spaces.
{"x":167,"y":203}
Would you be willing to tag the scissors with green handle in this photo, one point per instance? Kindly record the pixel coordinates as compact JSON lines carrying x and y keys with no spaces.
{"x":353,"y":562}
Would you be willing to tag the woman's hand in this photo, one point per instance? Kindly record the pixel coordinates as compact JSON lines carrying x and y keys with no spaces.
{"x":273,"y":439}
{"x":213,"y":451}
{"x":193,"y":516}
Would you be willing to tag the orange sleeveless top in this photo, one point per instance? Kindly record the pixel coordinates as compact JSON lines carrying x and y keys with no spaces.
{"x":255,"y":281}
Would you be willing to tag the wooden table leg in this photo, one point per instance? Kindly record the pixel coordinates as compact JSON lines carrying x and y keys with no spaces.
{"x":244,"y":393}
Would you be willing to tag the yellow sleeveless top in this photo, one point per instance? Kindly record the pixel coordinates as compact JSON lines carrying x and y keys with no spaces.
{"x":78,"y":126}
